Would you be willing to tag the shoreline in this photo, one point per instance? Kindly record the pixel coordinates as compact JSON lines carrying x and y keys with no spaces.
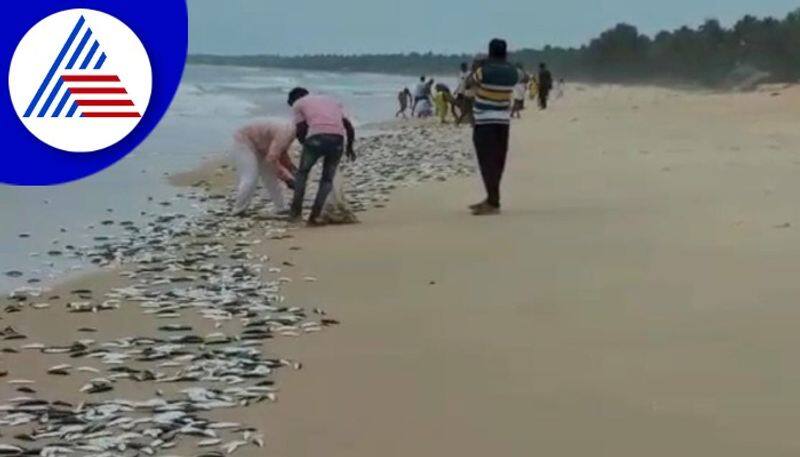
{"x":216,"y":171}
{"x":213,"y":173}
{"x":686,"y":86}
{"x":190,"y":259}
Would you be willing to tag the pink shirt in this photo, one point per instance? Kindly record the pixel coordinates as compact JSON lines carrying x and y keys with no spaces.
{"x":323,"y":114}
{"x":270,"y":140}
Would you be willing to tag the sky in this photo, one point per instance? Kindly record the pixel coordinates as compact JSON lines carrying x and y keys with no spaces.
{"x":292,"y":27}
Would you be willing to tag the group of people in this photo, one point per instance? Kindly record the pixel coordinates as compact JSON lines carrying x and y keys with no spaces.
{"x":487,"y":96}
{"x":537,"y":88}
{"x":429,"y":99}
{"x":262,"y":151}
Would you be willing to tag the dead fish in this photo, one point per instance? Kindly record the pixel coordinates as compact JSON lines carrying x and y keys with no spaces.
{"x":97,"y":387}
{"x":233,"y":446}
{"x":7,"y":449}
{"x":209,"y":442}
{"x":34,"y":346}
{"x":59,"y":370}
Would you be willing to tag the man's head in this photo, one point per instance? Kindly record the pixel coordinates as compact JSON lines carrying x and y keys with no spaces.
{"x":498,"y":49}
{"x":422,"y":78}
{"x":296,"y":94}
{"x":464,"y":66}
{"x":543,"y":66}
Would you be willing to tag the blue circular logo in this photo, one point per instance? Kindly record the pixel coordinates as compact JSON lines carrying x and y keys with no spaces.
{"x":88,"y":81}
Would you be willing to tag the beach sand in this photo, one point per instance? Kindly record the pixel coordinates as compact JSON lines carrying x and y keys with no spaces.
{"x":636,"y":297}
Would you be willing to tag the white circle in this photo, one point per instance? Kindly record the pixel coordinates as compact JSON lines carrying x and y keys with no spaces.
{"x":104,"y":117}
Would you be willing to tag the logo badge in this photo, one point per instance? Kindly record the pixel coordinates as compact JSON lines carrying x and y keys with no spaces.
{"x":80,"y":80}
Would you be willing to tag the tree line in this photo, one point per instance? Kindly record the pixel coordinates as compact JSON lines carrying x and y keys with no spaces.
{"x":709,"y":55}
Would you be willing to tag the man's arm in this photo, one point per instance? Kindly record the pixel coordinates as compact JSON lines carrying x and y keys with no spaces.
{"x":301,"y":125}
{"x":302,"y":131}
{"x":278,"y":155}
{"x":474,"y":79}
{"x":351,"y":138}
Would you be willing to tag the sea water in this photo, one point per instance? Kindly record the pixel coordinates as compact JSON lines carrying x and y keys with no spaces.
{"x":211,"y":103}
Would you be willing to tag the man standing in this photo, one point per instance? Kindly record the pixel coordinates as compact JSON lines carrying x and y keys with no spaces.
{"x":321,"y":129}
{"x":545,"y":85}
{"x":494,"y":79}
{"x":419,"y":94}
{"x":519,"y":94}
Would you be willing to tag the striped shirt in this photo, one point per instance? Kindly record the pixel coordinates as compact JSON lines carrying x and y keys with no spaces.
{"x":495,"y":83}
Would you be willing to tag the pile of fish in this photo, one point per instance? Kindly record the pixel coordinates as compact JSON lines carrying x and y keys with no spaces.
{"x":407,"y":157}
{"x":188,"y":272}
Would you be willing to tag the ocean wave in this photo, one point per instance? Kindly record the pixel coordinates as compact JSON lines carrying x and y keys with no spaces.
{"x":196,"y":100}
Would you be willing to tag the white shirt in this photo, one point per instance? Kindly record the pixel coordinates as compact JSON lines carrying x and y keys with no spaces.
{"x":519,"y":91}
{"x":419,"y":91}
{"x":462,"y":82}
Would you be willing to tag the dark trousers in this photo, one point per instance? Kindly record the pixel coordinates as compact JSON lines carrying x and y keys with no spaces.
{"x":544,"y":96}
{"x":491,"y":146}
{"x":466,"y":106}
{"x":329,"y":148}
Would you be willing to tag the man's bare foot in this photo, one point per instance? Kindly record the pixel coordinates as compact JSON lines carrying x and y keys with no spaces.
{"x":295,"y":218}
{"x":314,"y":223}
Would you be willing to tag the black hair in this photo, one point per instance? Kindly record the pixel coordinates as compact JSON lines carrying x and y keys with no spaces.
{"x":296,"y":94}
{"x":464,"y":66}
{"x":543,"y":65}
{"x":422,"y":78}
{"x":498,"y":49}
